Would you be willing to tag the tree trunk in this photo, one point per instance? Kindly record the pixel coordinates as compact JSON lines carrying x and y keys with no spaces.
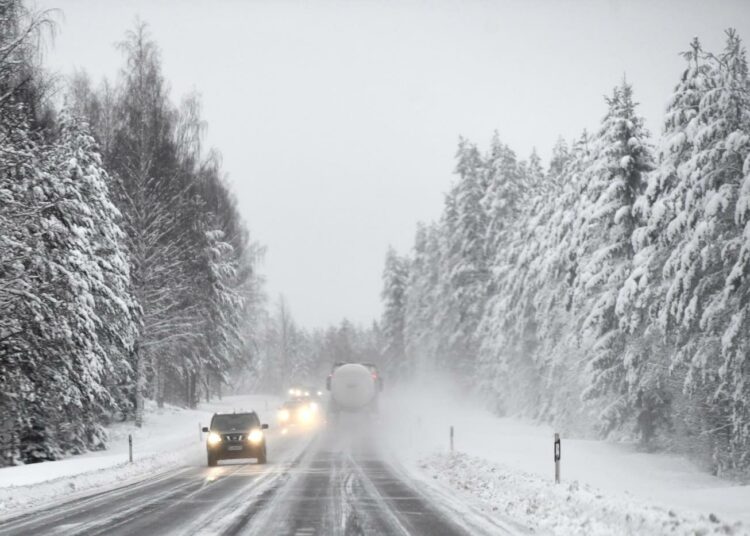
{"x":139,"y":386}
{"x":7,"y":435}
{"x":193,"y":390}
{"x":159,"y":384}
{"x":187,"y":392}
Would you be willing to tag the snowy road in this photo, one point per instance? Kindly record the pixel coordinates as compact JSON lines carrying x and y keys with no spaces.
{"x":325,"y":483}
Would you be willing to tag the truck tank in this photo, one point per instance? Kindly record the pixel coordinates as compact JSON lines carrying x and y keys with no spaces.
{"x":354,"y":387}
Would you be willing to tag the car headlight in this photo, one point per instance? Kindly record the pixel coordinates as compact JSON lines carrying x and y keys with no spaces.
{"x":304,"y":415}
{"x":313,"y":406}
{"x":214,"y":438}
{"x":255,"y":436}
{"x":284,"y":415}
{"x":320,"y":393}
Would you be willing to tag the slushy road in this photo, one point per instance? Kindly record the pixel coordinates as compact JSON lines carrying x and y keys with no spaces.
{"x":330,"y":481}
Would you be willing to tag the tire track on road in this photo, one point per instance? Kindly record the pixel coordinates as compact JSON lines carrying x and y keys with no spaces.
{"x":346,"y":489}
{"x":240,"y":516}
{"x":165,"y":504}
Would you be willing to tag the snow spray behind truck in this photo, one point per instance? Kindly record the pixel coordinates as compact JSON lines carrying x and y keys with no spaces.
{"x":354,"y":388}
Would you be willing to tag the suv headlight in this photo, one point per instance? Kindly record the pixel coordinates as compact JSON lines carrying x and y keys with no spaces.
{"x":255,"y":436}
{"x":284,"y":415}
{"x":214,"y":438}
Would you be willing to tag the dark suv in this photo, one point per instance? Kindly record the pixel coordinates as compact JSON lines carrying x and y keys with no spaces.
{"x":235,"y":435}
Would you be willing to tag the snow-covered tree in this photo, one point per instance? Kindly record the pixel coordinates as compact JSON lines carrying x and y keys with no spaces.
{"x":613,"y":181}
{"x":123,"y":273}
{"x":616,"y":274}
{"x":422,"y":300}
{"x":704,"y":304}
{"x":107,"y":267}
{"x":465,"y":262}
{"x":395,"y":277}
{"x":559,"y":159}
{"x":502,"y":195}
{"x":650,"y":350}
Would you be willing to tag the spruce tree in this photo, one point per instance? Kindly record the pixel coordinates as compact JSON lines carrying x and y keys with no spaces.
{"x":395,"y":277}
{"x":614,"y":179}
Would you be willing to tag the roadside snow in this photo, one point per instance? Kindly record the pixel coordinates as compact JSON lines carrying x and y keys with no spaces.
{"x":418,"y":433}
{"x":169,"y":438}
{"x":565,"y":509}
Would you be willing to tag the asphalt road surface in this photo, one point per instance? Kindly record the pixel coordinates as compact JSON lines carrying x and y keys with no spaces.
{"x":325,"y":482}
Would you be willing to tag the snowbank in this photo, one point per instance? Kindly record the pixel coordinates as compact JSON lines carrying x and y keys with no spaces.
{"x":564,"y":509}
{"x":419,"y":420}
{"x":81,"y":479}
{"x":169,"y":438}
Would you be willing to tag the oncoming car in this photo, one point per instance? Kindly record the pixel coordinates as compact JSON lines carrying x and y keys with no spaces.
{"x":301,"y":391}
{"x":235,"y":435}
{"x":304,"y":411}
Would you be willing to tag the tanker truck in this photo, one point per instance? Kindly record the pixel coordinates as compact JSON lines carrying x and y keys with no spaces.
{"x":354,"y":387}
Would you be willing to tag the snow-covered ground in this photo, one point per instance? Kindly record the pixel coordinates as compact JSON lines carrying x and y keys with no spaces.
{"x":507,"y":466}
{"x":569,"y":508}
{"x":502,"y":468}
{"x":169,"y":438}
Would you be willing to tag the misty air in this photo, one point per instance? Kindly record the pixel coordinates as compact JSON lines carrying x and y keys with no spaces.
{"x":335,"y":268}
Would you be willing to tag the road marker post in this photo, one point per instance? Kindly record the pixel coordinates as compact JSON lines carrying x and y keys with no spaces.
{"x":130,"y":448}
{"x":451,"y":434}
{"x":557,"y":458}
{"x":200,"y":433}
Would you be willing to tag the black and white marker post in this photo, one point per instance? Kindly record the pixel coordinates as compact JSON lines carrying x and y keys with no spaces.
{"x":130,"y":448}
{"x":557,"y":458}
{"x":451,"y":436}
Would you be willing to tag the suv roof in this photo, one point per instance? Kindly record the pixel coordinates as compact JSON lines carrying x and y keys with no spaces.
{"x":234,"y":421}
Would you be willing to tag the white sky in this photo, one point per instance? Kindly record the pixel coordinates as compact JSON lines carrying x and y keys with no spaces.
{"x":338,"y":121}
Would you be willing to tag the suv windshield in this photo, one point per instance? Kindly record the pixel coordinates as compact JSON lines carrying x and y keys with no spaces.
{"x":238,"y":421}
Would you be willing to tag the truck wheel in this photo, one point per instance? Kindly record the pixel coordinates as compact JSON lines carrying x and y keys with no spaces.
{"x":262,"y":456}
{"x":212,"y":460}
